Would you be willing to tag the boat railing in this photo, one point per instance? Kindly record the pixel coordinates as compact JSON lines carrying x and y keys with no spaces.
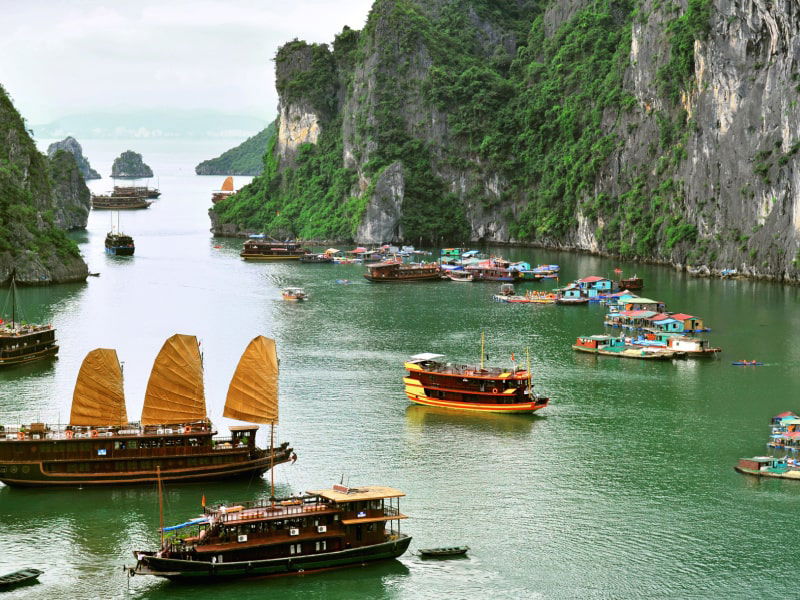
{"x":470,"y":370}
{"x":43,"y":431}
{"x":260,"y":509}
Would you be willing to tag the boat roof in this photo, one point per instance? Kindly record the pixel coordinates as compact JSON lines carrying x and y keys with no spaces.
{"x":425,"y":356}
{"x":637,"y":313}
{"x":623,"y":293}
{"x":783,"y":415}
{"x":370,"y":492}
{"x":682,"y":316}
{"x":597,"y":337}
{"x":592,"y":279}
{"x":645,"y":301}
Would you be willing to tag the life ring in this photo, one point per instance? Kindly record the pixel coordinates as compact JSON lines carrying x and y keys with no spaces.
{"x":20,"y":435}
{"x":94,"y":433}
{"x":494,"y":390}
{"x":69,"y":433}
{"x":187,"y":429}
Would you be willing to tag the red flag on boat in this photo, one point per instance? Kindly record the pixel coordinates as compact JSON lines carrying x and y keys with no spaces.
{"x":617,"y":270}
{"x":203,"y":501}
{"x":512,"y":357}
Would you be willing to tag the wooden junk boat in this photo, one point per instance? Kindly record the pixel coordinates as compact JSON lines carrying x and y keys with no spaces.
{"x":174,"y":435}
{"x":23,"y":343}
{"x":395,"y":271}
{"x":321,"y":529}
{"x":224,"y":192}
{"x":112,"y":202}
{"x":140,"y":191}
{"x":260,"y":248}
{"x":434,"y":383}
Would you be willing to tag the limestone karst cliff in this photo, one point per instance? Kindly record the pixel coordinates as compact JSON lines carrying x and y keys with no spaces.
{"x":71,"y":145}
{"x":664,"y":131}
{"x":130,"y":164}
{"x":35,"y":195}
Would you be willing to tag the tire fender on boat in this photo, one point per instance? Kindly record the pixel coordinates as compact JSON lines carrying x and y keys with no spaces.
{"x":494,"y":390}
{"x":94,"y":433}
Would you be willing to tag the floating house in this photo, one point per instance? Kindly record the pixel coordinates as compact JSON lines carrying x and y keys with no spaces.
{"x":666,"y":323}
{"x":594,"y":285}
{"x":690,"y":324}
{"x":645,"y":304}
{"x":630,"y":319}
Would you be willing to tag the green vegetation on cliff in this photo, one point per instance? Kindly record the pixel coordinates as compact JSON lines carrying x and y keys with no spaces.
{"x":27,"y":202}
{"x":245,"y":159}
{"x":535,"y":106}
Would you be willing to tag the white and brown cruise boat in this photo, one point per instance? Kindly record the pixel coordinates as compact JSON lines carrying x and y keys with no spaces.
{"x":321,"y":529}
{"x":24,"y":342}
{"x":174,"y":436}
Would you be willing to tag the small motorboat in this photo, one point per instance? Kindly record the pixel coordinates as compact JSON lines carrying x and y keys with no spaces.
{"x":294,"y":294}
{"x":443,"y":552}
{"x":21,"y":577}
{"x":747,"y":363}
{"x":459,"y":275}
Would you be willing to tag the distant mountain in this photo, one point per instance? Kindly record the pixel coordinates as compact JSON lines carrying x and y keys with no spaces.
{"x":245,"y":159}
{"x":151,"y":124}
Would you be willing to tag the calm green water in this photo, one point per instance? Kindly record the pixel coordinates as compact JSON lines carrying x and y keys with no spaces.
{"x":622,"y":488}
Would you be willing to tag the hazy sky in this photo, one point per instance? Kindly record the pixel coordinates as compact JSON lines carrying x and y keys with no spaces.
{"x":60,"y":57}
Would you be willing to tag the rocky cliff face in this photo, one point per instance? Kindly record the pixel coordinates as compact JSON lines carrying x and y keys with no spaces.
{"x":32,"y":190}
{"x":130,"y":164}
{"x":71,"y":198}
{"x":71,"y":145}
{"x":664,"y":131}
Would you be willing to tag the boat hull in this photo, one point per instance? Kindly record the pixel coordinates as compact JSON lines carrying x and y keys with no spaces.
{"x":486,"y":407}
{"x":424,"y":277}
{"x":631,"y":353}
{"x":192,"y":570}
{"x":788,"y":474}
{"x":121,"y":251}
{"x":32,"y":357}
{"x":267,"y":257}
{"x":32,"y":474}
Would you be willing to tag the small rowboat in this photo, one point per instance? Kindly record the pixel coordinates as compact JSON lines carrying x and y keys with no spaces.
{"x":443,"y":552}
{"x":747,"y":363}
{"x":21,"y":577}
{"x":294,"y":294}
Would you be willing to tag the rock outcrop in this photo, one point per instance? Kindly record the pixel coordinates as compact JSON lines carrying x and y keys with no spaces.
{"x":72,"y":200}
{"x":31,"y":192}
{"x":130,"y":164}
{"x":71,"y":145}
{"x":659,"y":131}
{"x":245,"y":159}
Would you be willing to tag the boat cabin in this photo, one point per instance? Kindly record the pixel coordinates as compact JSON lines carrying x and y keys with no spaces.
{"x":690,"y":324}
{"x":599,"y":342}
{"x":571,"y":293}
{"x":645,"y":304}
{"x":663,"y":322}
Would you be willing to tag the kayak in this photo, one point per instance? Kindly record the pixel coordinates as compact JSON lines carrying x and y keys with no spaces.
{"x":747,"y":363}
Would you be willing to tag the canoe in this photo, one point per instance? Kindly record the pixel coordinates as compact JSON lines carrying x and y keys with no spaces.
{"x":747,"y":363}
{"x":443,"y":552}
{"x":21,"y":577}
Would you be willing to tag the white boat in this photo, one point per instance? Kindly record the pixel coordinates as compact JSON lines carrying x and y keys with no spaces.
{"x":459,"y":275}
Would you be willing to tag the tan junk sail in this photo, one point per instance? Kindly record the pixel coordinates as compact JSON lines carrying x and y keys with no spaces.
{"x":175,"y":389}
{"x":227,"y":185}
{"x":99,"y":397}
{"x":253,"y":392}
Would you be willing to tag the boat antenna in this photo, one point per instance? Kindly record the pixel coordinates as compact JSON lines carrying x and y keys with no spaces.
{"x":160,"y":505}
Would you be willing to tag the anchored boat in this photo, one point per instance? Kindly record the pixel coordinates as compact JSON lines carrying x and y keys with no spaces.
{"x":224,"y":192}
{"x":174,"y":435}
{"x":260,"y":248}
{"x":294,"y":294}
{"x":321,"y":529}
{"x":19,"y":578}
{"x":22,"y":343}
{"x":475,"y":388}
{"x":619,"y":348}
{"x":395,"y":271}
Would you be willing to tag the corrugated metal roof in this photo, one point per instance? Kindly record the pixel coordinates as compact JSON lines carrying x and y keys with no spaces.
{"x":592,"y":279}
{"x":682,"y":316}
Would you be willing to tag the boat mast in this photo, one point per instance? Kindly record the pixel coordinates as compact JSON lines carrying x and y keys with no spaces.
{"x":272,"y":463}
{"x":483,"y":345}
{"x":160,"y":506}
{"x":13,"y":298}
{"x":530,"y":381}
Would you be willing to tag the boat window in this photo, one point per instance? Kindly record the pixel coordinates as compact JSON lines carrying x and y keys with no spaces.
{"x":133,"y":444}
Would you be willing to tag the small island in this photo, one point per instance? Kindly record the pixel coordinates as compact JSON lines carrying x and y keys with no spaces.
{"x":71,"y":145}
{"x":130,"y":164}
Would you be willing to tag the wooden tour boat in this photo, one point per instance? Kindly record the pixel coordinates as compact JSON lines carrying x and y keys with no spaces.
{"x":395,"y":271}
{"x":174,"y":435}
{"x":321,"y":529}
{"x":24,"y":342}
{"x":294,"y":294}
{"x":119,"y":202}
{"x":259,"y":248}
{"x":475,"y":388}
{"x":18,"y":578}
{"x":119,"y":244}
{"x":224,"y":192}
{"x":611,"y":346}
{"x":494,"y":272}
{"x":141,"y":191}
{"x":445,"y":552}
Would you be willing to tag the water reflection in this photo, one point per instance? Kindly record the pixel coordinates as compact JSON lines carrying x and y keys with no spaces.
{"x":418,"y":417}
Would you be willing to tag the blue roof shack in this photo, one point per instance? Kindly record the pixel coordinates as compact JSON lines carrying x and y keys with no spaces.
{"x":662,"y":322}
